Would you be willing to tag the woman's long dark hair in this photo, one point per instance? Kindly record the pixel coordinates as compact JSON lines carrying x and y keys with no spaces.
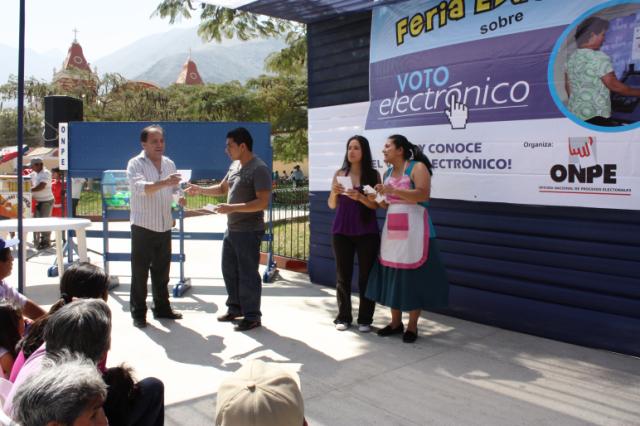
{"x":81,"y":280}
{"x":369,"y":175}
{"x":10,"y":317}
{"x":411,"y":151}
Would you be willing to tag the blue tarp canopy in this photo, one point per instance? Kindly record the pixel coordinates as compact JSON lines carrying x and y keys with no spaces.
{"x":302,"y":10}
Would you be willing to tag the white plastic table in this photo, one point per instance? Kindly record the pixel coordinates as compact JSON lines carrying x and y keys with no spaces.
{"x":50,"y":224}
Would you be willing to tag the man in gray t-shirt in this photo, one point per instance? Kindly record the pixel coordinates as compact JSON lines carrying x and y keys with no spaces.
{"x":248,"y":188}
{"x":244,"y":182}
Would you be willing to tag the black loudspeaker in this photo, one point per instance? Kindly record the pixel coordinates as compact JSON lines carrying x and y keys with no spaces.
{"x":59,"y":109}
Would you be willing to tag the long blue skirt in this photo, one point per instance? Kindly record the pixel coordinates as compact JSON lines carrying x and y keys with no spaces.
{"x":426,"y":287}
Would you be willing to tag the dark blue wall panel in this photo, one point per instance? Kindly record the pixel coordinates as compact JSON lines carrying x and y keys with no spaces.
{"x":565,"y":273}
{"x":199,"y":146}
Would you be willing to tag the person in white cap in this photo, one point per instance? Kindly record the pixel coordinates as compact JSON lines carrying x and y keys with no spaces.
{"x":43,"y":197}
{"x":29,"y":309}
{"x":260,"y":394}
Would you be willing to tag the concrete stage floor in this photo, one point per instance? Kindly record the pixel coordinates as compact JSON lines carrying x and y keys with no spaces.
{"x":457,"y":373}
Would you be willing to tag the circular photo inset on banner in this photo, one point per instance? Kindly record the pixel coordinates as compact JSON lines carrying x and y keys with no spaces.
{"x":594,"y":69}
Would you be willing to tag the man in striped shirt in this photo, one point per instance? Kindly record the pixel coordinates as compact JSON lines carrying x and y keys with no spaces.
{"x":152,"y":180}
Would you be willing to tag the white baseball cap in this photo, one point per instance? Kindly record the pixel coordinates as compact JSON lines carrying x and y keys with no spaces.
{"x":262,"y":394}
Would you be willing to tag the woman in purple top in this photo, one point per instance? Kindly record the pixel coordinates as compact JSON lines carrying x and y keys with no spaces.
{"x":355,"y":230}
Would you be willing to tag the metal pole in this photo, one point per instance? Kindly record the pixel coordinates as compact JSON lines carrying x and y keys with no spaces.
{"x":20,"y":144}
{"x":182,"y":258}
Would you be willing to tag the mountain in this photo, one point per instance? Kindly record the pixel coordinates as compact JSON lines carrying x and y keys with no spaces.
{"x":39,"y":65}
{"x":216,"y":64}
{"x":159,"y":58}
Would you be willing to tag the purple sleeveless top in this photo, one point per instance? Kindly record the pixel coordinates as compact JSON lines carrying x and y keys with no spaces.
{"x":350,"y":219}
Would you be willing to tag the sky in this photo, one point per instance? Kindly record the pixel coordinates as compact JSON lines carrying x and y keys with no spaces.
{"x":104,"y":26}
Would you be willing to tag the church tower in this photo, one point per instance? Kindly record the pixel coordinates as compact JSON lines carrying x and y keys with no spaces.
{"x":75,"y":72}
{"x":189,"y":74}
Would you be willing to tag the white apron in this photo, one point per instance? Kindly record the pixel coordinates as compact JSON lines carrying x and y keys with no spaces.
{"x":405,"y":236}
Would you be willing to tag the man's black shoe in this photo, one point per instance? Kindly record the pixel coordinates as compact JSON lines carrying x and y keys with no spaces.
{"x":228,"y":317}
{"x":139,"y":322}
{"x":173,"y":315}
{"x":245,"y":325}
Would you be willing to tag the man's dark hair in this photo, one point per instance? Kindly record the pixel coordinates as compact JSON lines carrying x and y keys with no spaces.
{"x":241,"y":135}
{"x":150,"y":129}
{"x":589,"y":26}
{"x":4,"y":254}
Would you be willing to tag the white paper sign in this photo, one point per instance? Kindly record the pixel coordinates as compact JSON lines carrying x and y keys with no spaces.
{"x":185,"y":175}
{"x":345,"y":181}
{"x":369,"y":190}
{"x":211,"y":208}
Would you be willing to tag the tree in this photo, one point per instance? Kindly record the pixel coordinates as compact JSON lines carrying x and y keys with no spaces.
{"x":279,"y":98}
{"x":33,"y":118}
{"x":32,"y":124}
{"x":292,"y":60}
{"x":284,"y":103}
{"x":283,"y":97}
{"x":218,"y":22}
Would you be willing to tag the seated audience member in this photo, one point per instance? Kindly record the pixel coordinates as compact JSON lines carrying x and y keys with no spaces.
{"x":29,"y":308}
{"x":260,"y":394}
{"x":67,"y":391}
{"x":84,"y":327}
{"x":81,"y":280}
{"x":11,"y":329}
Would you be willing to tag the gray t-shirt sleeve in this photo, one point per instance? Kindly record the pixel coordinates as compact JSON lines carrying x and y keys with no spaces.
{"x":262,"y":179}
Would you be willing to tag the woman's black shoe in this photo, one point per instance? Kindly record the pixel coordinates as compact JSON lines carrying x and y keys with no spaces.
{"x":389,"y":331}
{"x":409,"y":336}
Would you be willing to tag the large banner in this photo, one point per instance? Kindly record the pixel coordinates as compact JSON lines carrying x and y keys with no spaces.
{"x":517,"y":101}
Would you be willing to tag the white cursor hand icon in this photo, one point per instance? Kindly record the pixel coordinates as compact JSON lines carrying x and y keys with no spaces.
{"x":457,"y":114}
